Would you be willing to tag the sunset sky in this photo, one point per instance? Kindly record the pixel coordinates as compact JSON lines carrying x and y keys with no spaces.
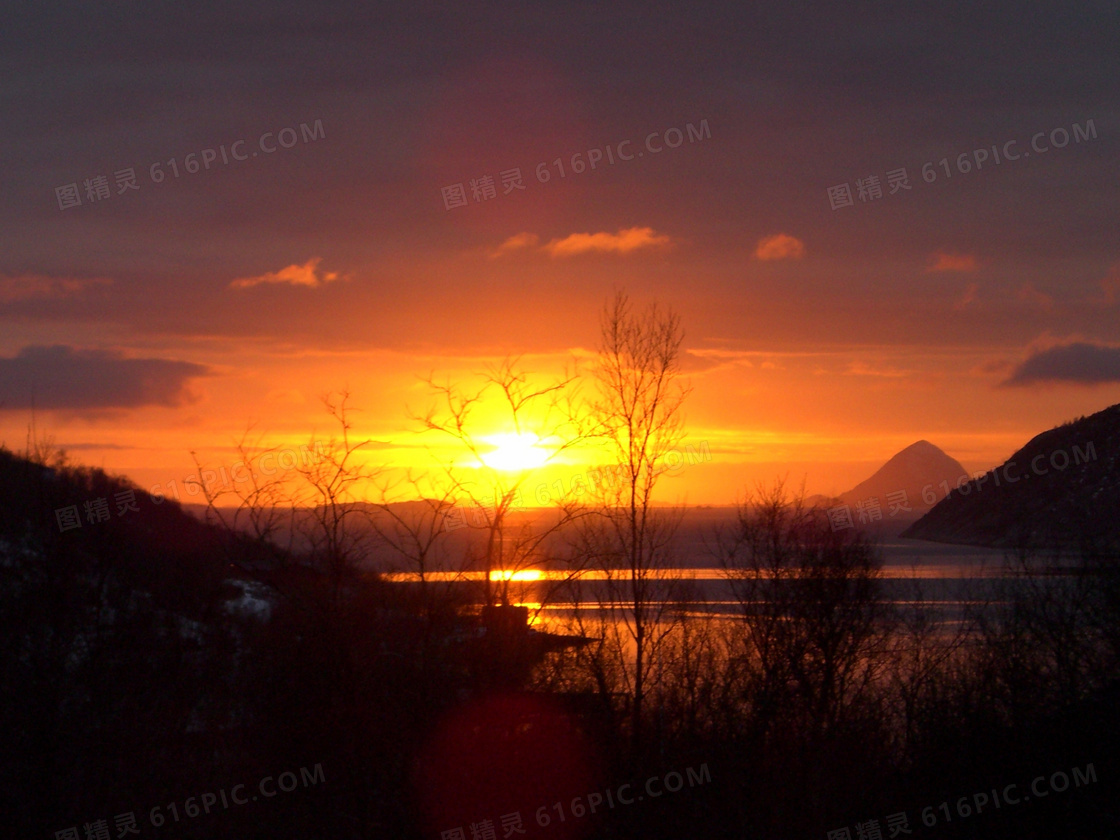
{"x":973,"y":309}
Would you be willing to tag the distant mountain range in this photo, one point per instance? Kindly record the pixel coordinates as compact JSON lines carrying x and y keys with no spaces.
{"x":1062,"y":489}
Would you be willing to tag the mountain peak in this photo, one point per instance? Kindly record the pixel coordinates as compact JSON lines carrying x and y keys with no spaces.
{"x":912,"y":476}
{"x":922,"y":445}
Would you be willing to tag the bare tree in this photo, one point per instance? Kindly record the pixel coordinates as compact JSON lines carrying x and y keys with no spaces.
{"x":547,"y":412}
{"x":814,"y":627}
{"x":638,"y":419}
{"x":323,"y":504}
{"x":42,"y":450}
{"x":334,"y":499}
{"x":697,"y":697}
{"x":253,"y":504}
{"x":413,"y":520}
{"x":1043,"y":644}
{"x":925,"y":650}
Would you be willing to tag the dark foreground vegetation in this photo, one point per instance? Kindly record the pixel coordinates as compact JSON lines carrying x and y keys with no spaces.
{"x":150,"y":660}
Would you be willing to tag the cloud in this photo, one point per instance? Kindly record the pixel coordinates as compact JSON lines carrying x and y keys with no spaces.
{"x":62,"y":377}
{"x":952,"y":262}
{"x":1079,"y":363}
{"x":516,"y":242}
{"x":781,"y":246}
{"x":295,"y":275}
{"x":40,"y":287}
{"x":623,"y":242}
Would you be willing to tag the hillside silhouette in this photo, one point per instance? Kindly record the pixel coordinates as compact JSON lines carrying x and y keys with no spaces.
{"x":1061,"y":489}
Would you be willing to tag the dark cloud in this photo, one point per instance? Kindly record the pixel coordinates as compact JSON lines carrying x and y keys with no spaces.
{"x":62,"y":377}
{"x":1080,"y":362}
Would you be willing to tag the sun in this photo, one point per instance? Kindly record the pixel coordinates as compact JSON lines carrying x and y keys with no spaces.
{"x":514,"y":452}
{"x":519,"y":576}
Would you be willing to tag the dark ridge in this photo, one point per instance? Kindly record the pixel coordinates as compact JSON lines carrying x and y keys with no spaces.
{"x":1061,"y":490}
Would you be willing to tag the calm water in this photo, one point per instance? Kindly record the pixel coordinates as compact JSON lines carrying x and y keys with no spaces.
{"x":945,"y":578}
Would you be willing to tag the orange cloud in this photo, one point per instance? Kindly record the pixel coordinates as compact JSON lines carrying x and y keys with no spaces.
{"x":623,"y":242}
{"x":781,"y":246}
{"x":517,"y":242}
{"x":952,"y":262}
{"x":295,"y":275}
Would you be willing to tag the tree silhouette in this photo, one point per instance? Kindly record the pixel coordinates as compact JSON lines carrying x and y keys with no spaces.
{"x":638,"y":420}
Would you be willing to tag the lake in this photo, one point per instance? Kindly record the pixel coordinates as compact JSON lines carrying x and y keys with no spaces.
{"x":946,"y":578}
